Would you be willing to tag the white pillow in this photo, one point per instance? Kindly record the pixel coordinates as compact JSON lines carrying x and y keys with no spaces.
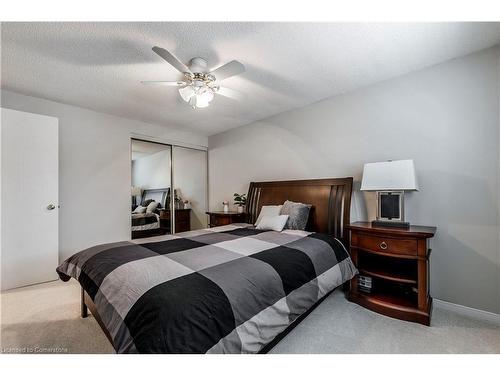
{"x":268,"y":211}
{"x":139,"y":210}
{"x":152,"y":206}
{"x":276,"y":223}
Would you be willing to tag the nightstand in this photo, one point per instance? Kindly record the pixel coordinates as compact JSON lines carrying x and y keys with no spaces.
{"x":182,"y":220}
{"x":397,"y":261}
{"x":219,"y":218}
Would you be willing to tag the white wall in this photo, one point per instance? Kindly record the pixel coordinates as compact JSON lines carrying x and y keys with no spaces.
{"x":152,"y":171}
{"x":446,"y":118}
{"x":94,"y":169}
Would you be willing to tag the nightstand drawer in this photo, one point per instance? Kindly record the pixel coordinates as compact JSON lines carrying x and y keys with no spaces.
{"x":164,"y":214}
{"x":218,"y":219}
{"x":385,"y":244}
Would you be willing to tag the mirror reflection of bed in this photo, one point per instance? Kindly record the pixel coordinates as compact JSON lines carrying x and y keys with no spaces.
{"x":147,"y":215}
{"x":153,"y":166}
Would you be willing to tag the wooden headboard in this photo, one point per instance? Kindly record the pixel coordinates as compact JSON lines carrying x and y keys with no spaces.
{"x":159,"y":195}
{"x":330,"y":199}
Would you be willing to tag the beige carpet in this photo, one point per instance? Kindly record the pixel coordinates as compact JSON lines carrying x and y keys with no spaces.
{"x":45,"y":318}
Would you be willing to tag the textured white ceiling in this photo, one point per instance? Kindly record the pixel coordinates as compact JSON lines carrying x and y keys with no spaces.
{"x":289,"y":65}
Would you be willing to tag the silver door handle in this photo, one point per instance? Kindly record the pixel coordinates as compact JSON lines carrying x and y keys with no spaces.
{"x":51,"y":207}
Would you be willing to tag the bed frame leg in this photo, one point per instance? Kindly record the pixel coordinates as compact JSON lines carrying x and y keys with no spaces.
{"x":346,"y":287}
{"x":84,"y":311}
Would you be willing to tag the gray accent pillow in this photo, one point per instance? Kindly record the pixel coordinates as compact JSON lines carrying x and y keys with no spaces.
{"x":298,"y":214}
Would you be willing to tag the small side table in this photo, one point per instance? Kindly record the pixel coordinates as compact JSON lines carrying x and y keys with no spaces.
{"x":397,"y":261}
{"x":182,"y":220}
{"x":219,"y":218}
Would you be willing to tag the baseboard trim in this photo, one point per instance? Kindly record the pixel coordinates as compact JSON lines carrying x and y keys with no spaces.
{"x":467,"y":311}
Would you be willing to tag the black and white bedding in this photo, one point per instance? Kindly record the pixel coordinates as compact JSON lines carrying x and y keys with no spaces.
{"x":145,"y":221}
{"x":229,"y":289}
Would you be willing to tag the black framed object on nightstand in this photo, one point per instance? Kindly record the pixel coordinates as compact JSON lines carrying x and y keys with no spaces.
{"x":390,"y":209}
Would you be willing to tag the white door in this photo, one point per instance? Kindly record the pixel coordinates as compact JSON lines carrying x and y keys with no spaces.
{"x":29,"y":198}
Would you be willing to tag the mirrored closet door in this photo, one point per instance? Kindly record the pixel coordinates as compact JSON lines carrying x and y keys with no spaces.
{"x":190,"y":188}
{"x":164,"y":177}
{"x":151,"y":188}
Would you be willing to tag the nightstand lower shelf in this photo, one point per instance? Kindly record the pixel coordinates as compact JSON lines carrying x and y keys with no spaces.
{"x":386,"y":268}
{"x":388,"y":276}
{"x":393,"y":306}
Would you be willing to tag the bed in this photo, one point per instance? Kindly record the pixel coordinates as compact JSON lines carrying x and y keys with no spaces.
{"x":148,"y":224}
{"x":231,"y":289}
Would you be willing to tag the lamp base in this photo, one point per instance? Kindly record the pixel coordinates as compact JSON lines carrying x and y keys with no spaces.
{"x":393,"y":224}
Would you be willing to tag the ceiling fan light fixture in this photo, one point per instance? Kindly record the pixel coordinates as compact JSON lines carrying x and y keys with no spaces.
{"x":203,"y":100}
{"x":199,"y":84}
{"x":206,"y":95}
{"x":193,"y":102}
{"x":187,"y":93}
{"x":201,"y":103}
{"x":196,"y":96}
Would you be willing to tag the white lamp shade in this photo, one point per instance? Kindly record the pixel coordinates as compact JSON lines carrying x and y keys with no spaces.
{"x":136,"y":191}
{"x":389,"y":175}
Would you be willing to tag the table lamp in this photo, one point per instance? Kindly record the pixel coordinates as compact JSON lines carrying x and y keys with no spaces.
{"x":390,"y":180}
{"x":136,"y":190}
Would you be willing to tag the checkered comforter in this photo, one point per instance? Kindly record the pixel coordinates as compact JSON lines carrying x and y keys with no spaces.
{"x":144,"y":219}
{"x":228,"y":289}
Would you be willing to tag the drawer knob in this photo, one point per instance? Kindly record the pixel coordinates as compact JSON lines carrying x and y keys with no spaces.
{"x":383,"y":245}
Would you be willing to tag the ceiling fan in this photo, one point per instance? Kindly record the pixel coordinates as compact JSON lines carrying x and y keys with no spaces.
{"x":199,"y":84}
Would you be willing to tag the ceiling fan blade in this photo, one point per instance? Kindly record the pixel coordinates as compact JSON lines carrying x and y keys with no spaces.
{"x":164,"y":83}
{"x":230,"y":93}
{"x":171,"y":59}
{"x":230,"y":69}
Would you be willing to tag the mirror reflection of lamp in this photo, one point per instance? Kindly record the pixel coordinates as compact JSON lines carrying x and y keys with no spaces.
{"x":136,"y":190}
